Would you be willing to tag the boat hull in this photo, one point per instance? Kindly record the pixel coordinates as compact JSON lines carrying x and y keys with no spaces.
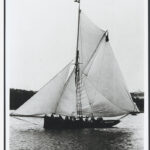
{"x":67,"y":124}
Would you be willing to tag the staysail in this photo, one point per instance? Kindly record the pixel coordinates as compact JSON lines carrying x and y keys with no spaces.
{"x":103,"y":90}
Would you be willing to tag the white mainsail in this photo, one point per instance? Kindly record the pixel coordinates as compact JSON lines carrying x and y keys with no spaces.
{"x":103,"y":90}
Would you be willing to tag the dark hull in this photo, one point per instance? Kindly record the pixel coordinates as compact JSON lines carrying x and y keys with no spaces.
{"x":66,"y":124}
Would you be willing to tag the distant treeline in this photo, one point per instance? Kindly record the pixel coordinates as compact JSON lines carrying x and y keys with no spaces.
{"x":138,"y":98}
{"x":140,"y":104}
{"x":18,"y":97}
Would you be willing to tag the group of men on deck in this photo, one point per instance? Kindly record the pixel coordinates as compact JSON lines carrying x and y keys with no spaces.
{"x":72,"y":120}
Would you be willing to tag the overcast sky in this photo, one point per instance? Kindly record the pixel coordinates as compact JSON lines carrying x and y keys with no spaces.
{"x":41,"y":38}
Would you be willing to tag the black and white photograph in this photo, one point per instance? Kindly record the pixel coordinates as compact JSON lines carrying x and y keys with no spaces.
{"x":76,"y":74}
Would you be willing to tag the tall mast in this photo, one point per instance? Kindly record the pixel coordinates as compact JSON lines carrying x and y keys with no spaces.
{"x":77,"y":70}
{"x":79,"y":11}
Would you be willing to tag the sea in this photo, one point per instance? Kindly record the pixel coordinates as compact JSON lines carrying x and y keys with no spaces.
{"x":28,"y":134}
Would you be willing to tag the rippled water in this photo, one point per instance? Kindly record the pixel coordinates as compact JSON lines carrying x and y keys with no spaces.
{"x":128,"y":135}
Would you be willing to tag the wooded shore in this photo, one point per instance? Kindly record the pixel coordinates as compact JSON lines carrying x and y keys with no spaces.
{"x":19,"y":96}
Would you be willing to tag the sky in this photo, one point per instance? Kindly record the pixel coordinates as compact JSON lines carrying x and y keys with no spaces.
{"x":41,"y":38}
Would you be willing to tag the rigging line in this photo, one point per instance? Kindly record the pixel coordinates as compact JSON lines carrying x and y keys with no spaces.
{"x":116,"y":63}
{"x":64,"y":89}
{"x":102,"y":61}
{"x":83,"y":97}
{"x":94,"y":53}
{"x":105,"y":97}
{"x":86,"y":88}
{"x":57,"y":74}
{"x":25,"y":120}
{"x":94,"y":57}
{"x":99,"y":67}
{"x":88,"y":98}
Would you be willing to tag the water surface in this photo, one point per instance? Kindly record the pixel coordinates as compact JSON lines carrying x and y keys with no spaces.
{"x":127,"y":135}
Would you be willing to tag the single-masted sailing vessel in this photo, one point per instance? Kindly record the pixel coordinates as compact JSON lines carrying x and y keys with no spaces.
{"x":93,"y":89}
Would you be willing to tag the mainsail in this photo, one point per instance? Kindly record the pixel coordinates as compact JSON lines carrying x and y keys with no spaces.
{"x":103,"y":92}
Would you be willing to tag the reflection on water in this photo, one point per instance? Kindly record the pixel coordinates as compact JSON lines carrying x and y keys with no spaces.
{"x":128,"y":135}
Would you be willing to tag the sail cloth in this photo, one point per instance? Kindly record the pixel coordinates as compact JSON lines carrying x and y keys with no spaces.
{"x":103,"y":90}
{"x":67,"y":102}
{"x":89,"y":38}
{"x":105,"y":84}
{"x":85,"y":101}
{"x":45,"y":100}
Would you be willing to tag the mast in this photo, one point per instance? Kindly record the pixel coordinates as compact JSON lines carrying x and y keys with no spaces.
{"x":77,"y":68}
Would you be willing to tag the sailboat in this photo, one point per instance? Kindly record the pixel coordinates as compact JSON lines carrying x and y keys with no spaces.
{"x":90,"y":87}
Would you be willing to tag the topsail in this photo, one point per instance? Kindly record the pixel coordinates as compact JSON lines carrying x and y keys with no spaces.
{"x":101,"y":86}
